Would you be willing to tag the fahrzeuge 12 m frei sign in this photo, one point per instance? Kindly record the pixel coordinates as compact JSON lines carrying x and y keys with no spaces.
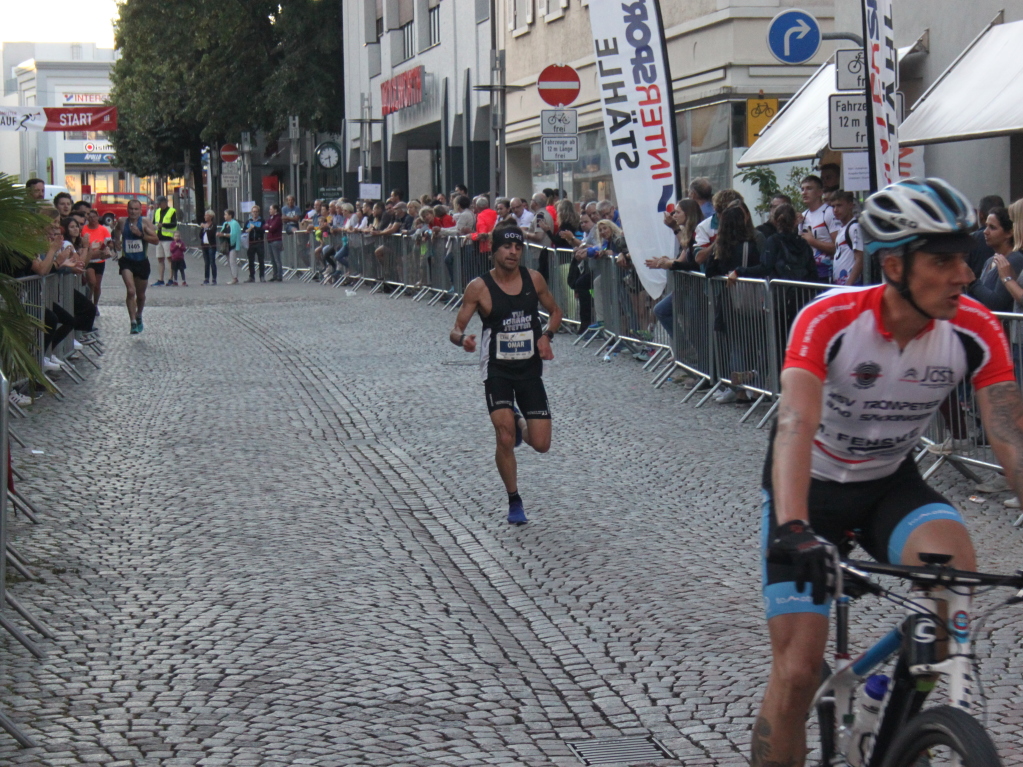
{"x":635,"y":93}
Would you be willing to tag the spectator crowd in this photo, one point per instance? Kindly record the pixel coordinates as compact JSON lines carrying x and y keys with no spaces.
{"x":816,"y":240}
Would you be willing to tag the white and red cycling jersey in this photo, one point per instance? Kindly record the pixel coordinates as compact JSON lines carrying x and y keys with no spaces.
{"x":879,"y":399}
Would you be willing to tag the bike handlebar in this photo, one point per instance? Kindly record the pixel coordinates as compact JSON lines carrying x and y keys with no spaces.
{"x":937,"y":575}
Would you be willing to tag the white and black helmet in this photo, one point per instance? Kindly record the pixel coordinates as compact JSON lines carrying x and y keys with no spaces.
{"x":915,"y":209}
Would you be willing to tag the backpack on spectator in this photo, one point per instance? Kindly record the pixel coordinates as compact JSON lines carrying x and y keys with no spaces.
{"x":795,"y":260}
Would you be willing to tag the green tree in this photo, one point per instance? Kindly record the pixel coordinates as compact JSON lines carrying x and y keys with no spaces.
{"x":195,"y":73}
{"x":766,"y":182}
{"x":151,"y":82}
{"x":21,"y":237}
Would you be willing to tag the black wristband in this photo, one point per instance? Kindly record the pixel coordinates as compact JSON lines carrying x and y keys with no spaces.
{"x":549,"y":334}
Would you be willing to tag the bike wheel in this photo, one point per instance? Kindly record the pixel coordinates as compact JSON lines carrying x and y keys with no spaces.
{"x":943,"y":737}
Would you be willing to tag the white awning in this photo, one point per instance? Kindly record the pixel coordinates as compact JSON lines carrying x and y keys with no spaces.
{"x":980,"y":95}
{"x":800,"y":129}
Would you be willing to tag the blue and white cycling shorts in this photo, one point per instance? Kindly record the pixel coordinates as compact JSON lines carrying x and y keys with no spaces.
{"x":882,"y":512}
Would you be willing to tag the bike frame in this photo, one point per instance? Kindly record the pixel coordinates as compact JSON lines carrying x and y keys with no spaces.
{"x":911,"y":683}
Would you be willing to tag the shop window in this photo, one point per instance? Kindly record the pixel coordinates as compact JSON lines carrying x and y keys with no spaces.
{"x":705,"y":144}
{"x":738,"y":123}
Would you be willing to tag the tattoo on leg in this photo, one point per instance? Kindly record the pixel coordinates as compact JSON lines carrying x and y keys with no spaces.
{"x":760,"y":748}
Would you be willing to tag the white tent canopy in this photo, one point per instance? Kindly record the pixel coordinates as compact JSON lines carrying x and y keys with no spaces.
{"x":978,"y":96}
{"x":800,"y":129}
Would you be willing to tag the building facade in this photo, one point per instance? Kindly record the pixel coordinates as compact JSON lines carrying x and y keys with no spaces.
{"x":721,"y":69}
{"x":418,"y":111}
{"x":62,"y":74}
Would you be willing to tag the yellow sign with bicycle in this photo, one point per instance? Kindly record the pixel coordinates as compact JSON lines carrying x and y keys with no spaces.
{"x":758,"y":114}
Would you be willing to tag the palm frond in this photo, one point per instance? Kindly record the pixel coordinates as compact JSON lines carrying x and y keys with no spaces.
{"x":22,"y":230}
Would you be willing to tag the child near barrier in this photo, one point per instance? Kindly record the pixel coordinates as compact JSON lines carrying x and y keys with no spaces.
{"x":177,"y":259}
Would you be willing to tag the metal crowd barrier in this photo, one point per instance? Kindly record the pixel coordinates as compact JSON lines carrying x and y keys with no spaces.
{"x":33,"y":298}
{"x":734,"y":335}
{"x":296,"y":255}
{"x":624,"y":315}
{"x":191,"y":235}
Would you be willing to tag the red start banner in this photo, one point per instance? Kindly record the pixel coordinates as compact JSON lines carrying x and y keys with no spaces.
{"x":402,"y":91}
{"x":58,"y":118}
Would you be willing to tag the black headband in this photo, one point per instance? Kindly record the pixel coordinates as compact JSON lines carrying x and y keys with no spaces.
{"x":506,"y":237}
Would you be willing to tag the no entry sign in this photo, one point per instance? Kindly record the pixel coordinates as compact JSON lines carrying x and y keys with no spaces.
{"x":558,"y":85}
{"x":229,"y":153}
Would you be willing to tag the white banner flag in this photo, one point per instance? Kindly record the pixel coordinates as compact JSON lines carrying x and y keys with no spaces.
{"x":635,"y":89}
{"x":882,"y":60}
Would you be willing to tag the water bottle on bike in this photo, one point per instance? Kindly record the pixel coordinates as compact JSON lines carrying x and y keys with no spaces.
{"x":860,"y":735}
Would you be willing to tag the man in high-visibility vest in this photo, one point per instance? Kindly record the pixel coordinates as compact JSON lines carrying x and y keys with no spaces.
{"x":165,"y":221}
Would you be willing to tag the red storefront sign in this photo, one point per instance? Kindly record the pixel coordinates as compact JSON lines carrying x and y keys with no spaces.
{"x":402,"y":91}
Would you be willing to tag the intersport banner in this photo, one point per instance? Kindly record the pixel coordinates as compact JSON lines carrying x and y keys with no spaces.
{"x":882,"y":60}
{"x":635,"y":91}
{"x":58,"y":118}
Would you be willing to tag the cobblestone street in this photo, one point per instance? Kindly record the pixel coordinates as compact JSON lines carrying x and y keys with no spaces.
{"x":273,"y":534}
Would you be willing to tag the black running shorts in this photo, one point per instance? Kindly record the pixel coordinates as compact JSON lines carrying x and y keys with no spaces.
{"x":98,"y":266}
{"x":140,"y":269}
{"x":528,"y":393}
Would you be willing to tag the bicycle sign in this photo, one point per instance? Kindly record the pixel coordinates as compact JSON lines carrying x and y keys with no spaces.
{"x":559,"y":122}
{"x":850,"y":73}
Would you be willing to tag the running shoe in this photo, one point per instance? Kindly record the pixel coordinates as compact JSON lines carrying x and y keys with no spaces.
{"x":51,"y":364}
{"x":139,"y":324}
{"x":77,"y":344}
{"x":519,"y":421}
{"x":134,"y":329}
{"x":516,"y":514}
{"x":19,"y":399}
{"x":158,"y":283}
{"x":727,"y":397}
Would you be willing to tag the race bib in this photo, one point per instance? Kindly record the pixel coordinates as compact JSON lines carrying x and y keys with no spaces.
{"x":515,"y":346}
{"x":133,"y":246}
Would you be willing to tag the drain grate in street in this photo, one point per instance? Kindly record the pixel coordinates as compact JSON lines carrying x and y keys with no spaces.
{"x":618,"y":750}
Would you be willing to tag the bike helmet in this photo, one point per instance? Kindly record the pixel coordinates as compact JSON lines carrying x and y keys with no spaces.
{"x":915,"y":209}
{"x":916,"y":214}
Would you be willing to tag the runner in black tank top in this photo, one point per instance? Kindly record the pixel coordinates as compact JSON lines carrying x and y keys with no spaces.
{"x":510,"y":332}
{"x":512,"y":349}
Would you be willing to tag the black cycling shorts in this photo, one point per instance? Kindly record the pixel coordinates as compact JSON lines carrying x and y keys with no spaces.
{"x":140,"y":269}
{"x":98,"y":266}
{"x":528,"y":393}
{"x":882,"y":512}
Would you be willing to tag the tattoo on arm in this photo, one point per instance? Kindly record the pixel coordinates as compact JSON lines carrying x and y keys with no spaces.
{"x":1006,"y":419}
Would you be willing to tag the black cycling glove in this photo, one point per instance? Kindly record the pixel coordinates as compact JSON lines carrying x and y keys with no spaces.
{"x":795,"y":543}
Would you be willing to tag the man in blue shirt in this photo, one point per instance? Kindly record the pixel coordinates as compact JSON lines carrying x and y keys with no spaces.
{"x":702,"y":192}
{"x":290,"y":214}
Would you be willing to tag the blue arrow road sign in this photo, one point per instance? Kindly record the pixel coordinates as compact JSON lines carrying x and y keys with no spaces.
{"x":794,"y":36}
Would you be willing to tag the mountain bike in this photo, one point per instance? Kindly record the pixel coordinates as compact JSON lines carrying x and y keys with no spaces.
{"x":932,"y":643}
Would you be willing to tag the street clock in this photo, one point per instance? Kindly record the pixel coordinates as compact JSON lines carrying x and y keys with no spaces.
{"x":328,"y":154}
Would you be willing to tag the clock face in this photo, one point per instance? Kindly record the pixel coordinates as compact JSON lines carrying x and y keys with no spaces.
{"x":328,"y":155}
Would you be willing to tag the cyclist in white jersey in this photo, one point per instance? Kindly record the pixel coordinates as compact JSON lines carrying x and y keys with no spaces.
{"x":864,"y":372}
